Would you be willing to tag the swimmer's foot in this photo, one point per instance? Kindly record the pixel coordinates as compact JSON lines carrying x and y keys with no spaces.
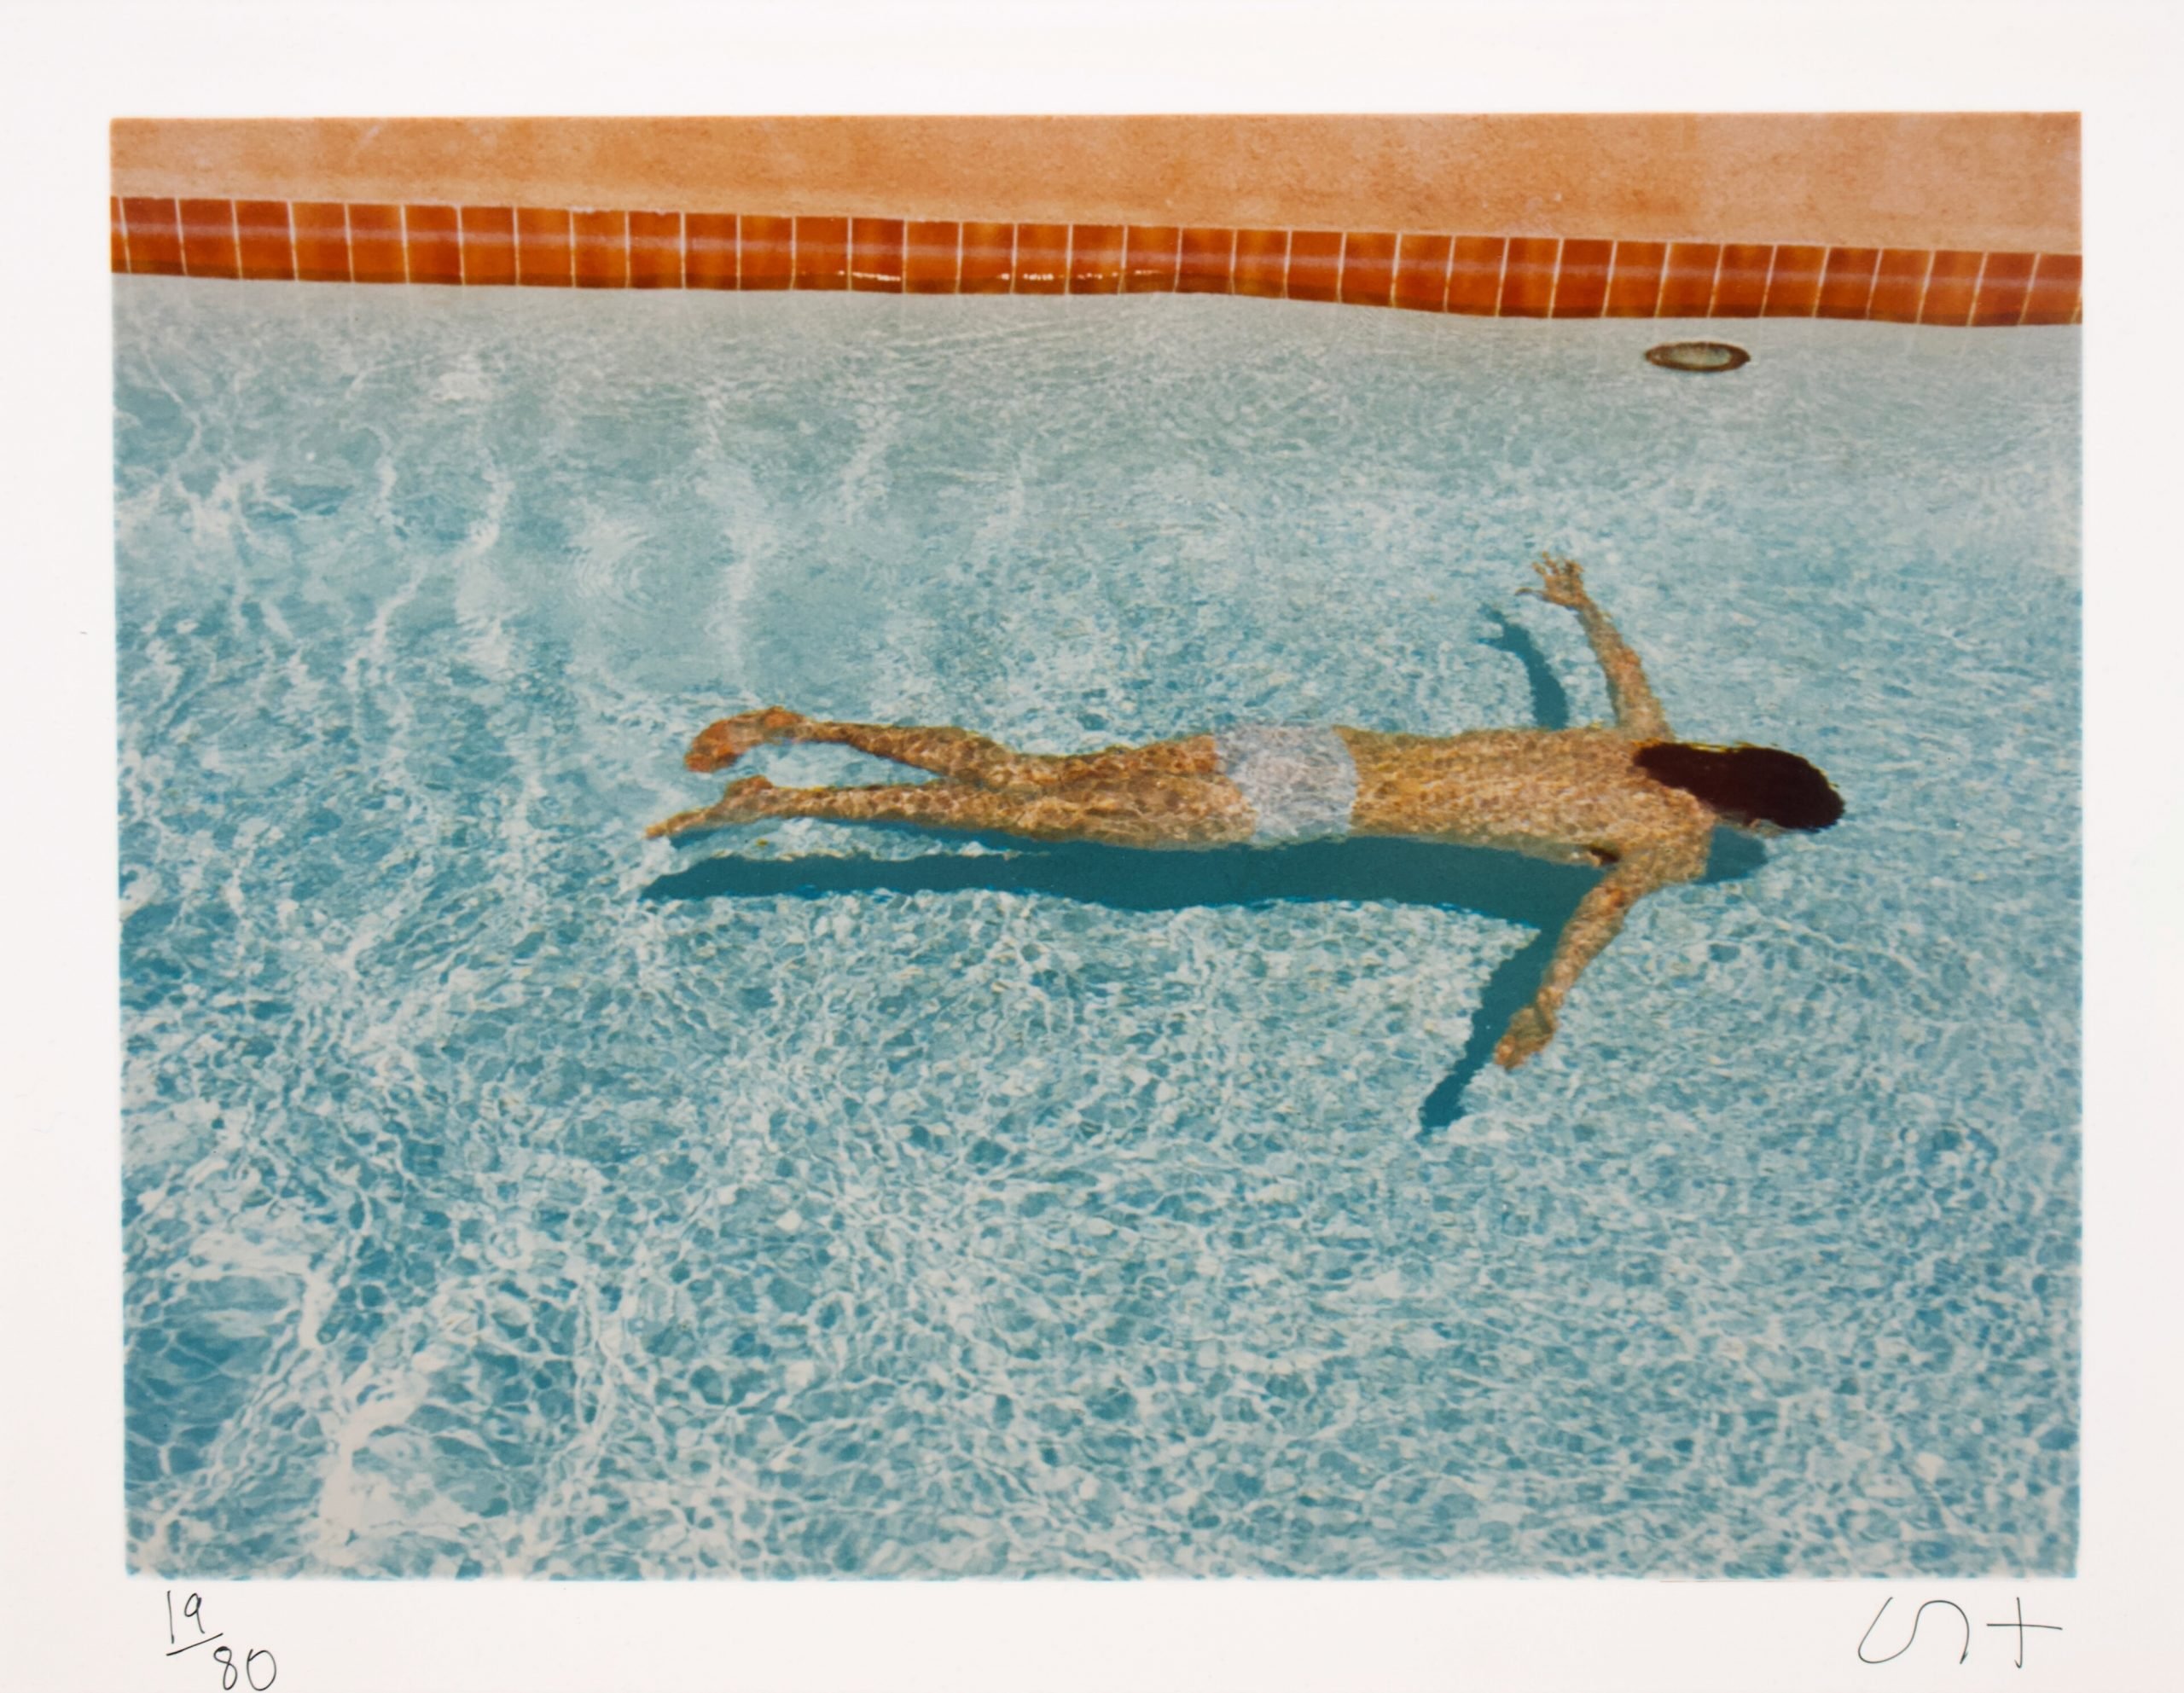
{"x":720,"y":744}
{"x":739,"y":803}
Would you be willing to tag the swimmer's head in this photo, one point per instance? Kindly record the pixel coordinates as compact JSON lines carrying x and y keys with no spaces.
{"x":1750,"y":787}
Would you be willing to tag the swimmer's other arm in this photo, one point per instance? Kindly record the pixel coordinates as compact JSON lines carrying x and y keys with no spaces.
{"x":1599,"y":915}
{"x":1637,"y":713}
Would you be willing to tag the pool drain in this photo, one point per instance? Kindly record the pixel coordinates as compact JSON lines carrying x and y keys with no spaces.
{"x":1701,"y":356}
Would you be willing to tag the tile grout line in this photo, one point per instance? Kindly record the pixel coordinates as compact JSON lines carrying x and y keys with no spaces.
{"x":1554,"y":281}
{"x":288,"y":212}
{"x":2031,"y":281}
{"x":1714,"y":285}
{"x":1447,"y":275}
{"x":1979,"y":281}
{"x":182,"y":247}
{"x":1767,"y":289}
{"x":1501,"y":281}
{"x":1925,"y":281}
{"x":128,"y":259}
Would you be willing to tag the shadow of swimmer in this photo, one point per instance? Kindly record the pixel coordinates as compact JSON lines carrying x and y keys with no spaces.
{"x":1357,"y":871}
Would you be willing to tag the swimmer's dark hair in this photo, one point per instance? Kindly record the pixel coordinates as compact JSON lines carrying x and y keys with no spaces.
{"x":1746,"y":783}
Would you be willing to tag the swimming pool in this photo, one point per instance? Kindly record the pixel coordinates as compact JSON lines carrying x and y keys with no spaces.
{"x":506,"y":1194}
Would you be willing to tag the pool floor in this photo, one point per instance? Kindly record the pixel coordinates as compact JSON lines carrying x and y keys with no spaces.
{"x":506,"y":1194}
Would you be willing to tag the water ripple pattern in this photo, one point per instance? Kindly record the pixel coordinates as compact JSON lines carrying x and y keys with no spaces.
{"x":490,"y":1211}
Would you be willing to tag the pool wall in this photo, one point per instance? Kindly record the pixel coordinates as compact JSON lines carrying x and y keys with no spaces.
{"x":1952,"y":219}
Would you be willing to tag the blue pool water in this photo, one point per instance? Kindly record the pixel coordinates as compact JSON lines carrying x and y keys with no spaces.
{"x":506,"y":1194}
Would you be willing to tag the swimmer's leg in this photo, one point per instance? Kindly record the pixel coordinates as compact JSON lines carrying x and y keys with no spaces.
{"x":952,"y":752}
{"x":1154,"y":812}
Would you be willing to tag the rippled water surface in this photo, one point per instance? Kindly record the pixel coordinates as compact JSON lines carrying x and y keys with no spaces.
{"x":506,"y":1194}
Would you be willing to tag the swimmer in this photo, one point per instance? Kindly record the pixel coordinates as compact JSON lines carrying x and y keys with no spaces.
{"x":1627,"y":797}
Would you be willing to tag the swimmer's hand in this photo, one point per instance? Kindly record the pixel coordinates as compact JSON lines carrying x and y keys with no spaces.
{"x":1562,"y":582}
{"x":1529,"y":1030}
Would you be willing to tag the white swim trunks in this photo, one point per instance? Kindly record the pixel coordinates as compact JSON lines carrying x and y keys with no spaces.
{"x":1301,"y":783}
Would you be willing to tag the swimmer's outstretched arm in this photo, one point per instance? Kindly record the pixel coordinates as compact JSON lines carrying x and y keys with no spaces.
{"x":1637,"y":713}
{"x":1599,"y":915}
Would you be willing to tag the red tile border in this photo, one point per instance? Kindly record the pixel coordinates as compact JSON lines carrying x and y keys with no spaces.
{"x":1794,"y":288}
{"x":709,"y":250}
{"x":321,"y":241}
{"x":823,"y":254}
{"x":1206,"y":262}
{"x":765,"y":252}
{"x":1151,"y":259}
{"x":1688,"y":278}
{"x":1488,"y":276}
{"x":375,"y":251}
{"x":1899,"y":285}
{"x":876,"y":255}
{"x":1581,"y":281}
{"x":989,"y":258}
{"x":602,"y":249}
{"x":1042,"y":259}
{"x":2004,"y":284}
{"x":1475,"y":268}
{"x":930,"y":253}
{"x":1740,"y":284}
{"x":545,"y":255}
{"x":1633,"y":279}
{"x":435,"y":245}
{"x":208,"y":238}
{"x":488,"y":235}
{"x":155,"y":234}
{"x":1262,"y":264}
{"x":262,"y":240}
{"x":1422,"y":272}
{"x":1951,"y":287}
{"x":655,"y":249}
{"x":1369,"y":268}
{"x":1846,"y":286}
{"x":2053,"y":295}
{"x":1315,"y":271}
{"x":1095,"y":259}
{"x":1528,"y":276}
